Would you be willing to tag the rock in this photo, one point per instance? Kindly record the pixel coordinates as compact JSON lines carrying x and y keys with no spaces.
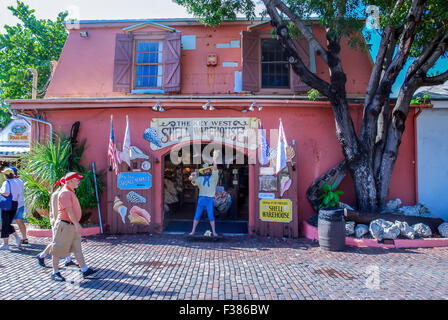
{"x":405,"y":229}
{"x":349,"y":228}
{"x":361,"y":230}
{"x":393,"y":204}
{"x":382,"y":229}
{"x":419,"y":210}
{"x":443,"y":229}
{"x":422,"y":230}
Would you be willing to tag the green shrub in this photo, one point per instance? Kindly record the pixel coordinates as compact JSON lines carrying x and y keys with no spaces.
{"x":329,"y":196}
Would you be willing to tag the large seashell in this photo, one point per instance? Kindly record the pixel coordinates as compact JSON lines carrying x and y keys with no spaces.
{"x":136,"y":153}
{"x":141,"y":212}
{"x":134,"y":197}
{"x":150,"y":134}
{"x":120,"y":208}
{"x":136,"y":219}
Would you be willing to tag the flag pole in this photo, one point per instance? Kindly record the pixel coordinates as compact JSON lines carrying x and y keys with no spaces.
{"x":97,"y":198}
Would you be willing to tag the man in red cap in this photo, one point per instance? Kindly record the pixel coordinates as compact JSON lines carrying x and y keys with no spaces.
{"x":67,"y":236}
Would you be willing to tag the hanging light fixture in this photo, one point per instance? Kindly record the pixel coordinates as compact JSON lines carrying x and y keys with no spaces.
{"x":158,"y":107}
{"x":209,"y":105}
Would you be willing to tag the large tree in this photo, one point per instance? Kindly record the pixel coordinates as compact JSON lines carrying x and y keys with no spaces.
{"x":32,"y":43}
{"x":411,"y":30}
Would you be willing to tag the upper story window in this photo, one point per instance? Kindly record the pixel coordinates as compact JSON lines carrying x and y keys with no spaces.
{"x":265,"y":66}
{"x":149,"y":64}
{"x":274,"y":65}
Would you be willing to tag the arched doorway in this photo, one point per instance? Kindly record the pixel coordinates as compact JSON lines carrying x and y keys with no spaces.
{"x":180,"y":196}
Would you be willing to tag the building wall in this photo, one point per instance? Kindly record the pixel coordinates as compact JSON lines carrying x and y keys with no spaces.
{"x":312,"y":128}
{"x":86,"y":66}
{"x":432,"y":146}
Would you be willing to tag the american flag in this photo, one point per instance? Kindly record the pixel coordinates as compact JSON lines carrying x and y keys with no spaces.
{"x":112,"y":153}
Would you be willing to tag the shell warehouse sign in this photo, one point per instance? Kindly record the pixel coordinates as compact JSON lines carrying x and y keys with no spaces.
{"x":276,"y":210}
{"x":234,"y":131}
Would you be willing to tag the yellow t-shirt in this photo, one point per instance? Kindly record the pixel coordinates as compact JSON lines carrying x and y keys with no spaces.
{"x":207,"y":188}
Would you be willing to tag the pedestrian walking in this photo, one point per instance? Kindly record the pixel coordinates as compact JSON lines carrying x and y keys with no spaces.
{"x":68,"y":231}
{"x":20,"y":206}
{"x":9,"y":187}
{"x":53,"y":215}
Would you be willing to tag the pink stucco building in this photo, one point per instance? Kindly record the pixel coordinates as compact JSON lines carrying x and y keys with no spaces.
{"x":133,"y":67}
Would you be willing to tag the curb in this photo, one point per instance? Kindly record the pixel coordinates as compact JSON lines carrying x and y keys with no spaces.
{"x":310,"y":232}
{"x":47,"y":232}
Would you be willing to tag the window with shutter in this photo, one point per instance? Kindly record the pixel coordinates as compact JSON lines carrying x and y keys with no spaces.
{"x":265,"y":66}
{"x":171,"y":62}
{"x":122,"y":63}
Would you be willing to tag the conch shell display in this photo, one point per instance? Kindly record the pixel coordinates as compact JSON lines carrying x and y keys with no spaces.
{"x":139,"y":215}
{"x":120,"y":208}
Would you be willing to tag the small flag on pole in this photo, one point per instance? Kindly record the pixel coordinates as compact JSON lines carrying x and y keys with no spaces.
{"x":264,"y":147}
{"x":124,"y":155}
{"x":112,"y":152}
{"x":280,"y":162}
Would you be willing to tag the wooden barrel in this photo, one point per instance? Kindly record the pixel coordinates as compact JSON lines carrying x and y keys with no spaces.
{"x":331,"y":229}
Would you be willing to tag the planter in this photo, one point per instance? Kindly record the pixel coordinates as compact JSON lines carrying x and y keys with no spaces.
{"x":331,"y":229}
{"x":88,"y":231}
{"x":310,"y":232}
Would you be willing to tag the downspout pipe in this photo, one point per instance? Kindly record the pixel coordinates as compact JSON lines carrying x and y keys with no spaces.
{"x":24,"y":116}
{"x":416,"y":114}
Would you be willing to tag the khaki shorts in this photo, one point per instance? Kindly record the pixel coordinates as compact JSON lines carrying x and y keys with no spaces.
{"x":65,"y":240}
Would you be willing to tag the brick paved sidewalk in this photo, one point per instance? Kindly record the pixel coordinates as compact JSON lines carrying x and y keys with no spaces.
{"x":164,"y":267}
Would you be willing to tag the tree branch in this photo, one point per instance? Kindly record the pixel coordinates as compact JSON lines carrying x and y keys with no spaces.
{"x":436,"y":80}
{"x":302,"y":28}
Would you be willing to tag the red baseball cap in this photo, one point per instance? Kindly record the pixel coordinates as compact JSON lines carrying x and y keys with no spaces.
{"x":68,"y":176}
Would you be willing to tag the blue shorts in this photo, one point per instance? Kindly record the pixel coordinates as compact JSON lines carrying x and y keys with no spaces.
{"x":205,"y":203}
{"x":19,"y":213}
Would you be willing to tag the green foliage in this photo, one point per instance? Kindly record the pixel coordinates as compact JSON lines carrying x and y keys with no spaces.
{"x":329,"y":197}
{"x":43,"y":222}
{"x":32,"y":43}
{"x":47,"y":163}
{"x":423,"y":99}
{"x":313,"y":94}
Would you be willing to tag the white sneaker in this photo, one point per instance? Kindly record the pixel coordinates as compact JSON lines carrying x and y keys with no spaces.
{"x":19,"y":242}
{"x":4,"y":247}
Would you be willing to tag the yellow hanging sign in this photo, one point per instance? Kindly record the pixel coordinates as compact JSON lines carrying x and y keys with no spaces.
{"x":276,"y":210}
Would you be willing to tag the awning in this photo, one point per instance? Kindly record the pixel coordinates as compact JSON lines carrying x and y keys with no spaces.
{"x":11,"y":151}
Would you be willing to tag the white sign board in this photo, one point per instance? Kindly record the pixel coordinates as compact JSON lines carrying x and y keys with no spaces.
{"x":234,"y":131}
{"x":17,"y":132}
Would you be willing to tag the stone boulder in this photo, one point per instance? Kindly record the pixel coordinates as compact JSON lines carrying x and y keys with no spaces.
{"x":349,"y":228}
{"x":405,"y":229}
{"x":422,"y":230}
{"x":443,"y":229}
{"x":419,"y":210}
{"x":382,"y":229}
{"x":393,"y":204}
{"x":361,"y":230}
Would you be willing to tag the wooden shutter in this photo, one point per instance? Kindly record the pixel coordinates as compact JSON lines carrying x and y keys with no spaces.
{"x":171,"y":62}
{"x":251,"y":61}
{"x":123,"y":62}
{"x":302,"y":46}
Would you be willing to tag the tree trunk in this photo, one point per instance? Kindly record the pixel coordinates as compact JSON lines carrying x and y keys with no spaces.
{"x":362,"y":174}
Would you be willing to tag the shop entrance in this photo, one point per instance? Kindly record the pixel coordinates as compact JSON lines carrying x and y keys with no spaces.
{"x":231,"y":205}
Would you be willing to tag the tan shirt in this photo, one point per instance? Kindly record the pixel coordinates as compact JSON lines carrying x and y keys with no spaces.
{"x":207,"y":189}
{"x":67,"y":199}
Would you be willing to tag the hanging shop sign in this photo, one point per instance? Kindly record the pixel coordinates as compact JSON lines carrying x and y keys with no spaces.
{"x":276,"y":210}
{"x":17,"y":132}
{"x":134,"y":180}
{"x":240,"y":132}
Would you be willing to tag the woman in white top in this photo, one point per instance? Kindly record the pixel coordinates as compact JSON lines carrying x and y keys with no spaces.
{"x":20,"y":206}
{"x":8,"y":187}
